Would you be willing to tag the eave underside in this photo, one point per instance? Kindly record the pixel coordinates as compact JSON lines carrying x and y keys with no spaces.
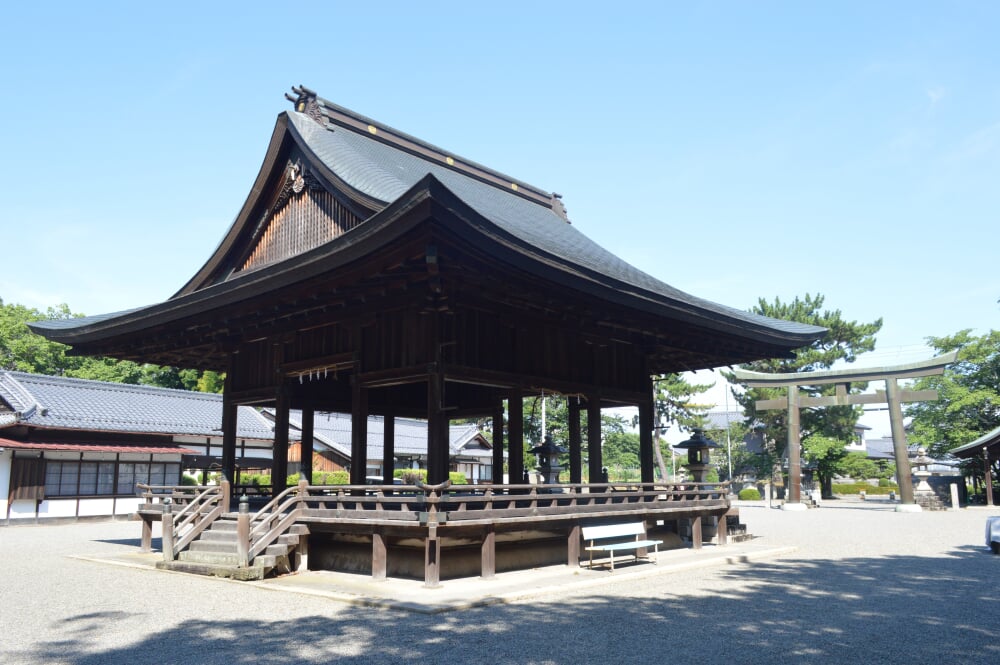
{"x":431,"y":299}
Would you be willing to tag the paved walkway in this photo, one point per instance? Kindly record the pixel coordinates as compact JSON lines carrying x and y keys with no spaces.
{"x":850,"y":582}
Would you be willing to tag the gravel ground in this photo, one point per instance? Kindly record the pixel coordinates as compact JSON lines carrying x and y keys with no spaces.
{"x":867,"y":585}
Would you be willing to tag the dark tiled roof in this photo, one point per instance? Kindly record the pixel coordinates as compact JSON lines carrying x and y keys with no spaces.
{"x":334,"y":430}
{"x":78,"y":404}
{"x":385,"y":172}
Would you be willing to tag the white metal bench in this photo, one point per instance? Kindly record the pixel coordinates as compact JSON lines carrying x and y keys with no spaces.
{"x":594,"y":535}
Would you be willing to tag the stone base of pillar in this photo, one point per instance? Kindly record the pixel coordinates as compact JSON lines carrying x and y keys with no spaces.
{"x":794,"y":507}
{"x":908,"y":508}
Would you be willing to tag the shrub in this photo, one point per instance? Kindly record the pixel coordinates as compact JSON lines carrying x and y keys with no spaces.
{"x":188,"y":480}
{"x":854,"y":488}
{"x":410,"y":476}
{"x":457,"y":478}
{"x":749,"y":494}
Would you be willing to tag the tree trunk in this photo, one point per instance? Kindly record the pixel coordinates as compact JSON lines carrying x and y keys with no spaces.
{"x":659,"y":457}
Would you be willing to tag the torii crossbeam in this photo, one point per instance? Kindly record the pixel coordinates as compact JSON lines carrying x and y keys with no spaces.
{"x":843,"y":378}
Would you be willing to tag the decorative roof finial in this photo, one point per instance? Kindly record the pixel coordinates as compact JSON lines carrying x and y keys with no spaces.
{"x":305,"y":102}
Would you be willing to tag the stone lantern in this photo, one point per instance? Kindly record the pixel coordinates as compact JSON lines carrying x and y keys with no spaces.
{"x":698,"y":447}
{"x":923,"y":493}
{"x":547,"y":453}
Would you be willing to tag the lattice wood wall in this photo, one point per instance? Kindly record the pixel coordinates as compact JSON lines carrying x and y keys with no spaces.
{"x":305,"y":221}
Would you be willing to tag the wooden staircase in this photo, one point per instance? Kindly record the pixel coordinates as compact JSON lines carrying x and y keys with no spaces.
{"x":216,"y":552}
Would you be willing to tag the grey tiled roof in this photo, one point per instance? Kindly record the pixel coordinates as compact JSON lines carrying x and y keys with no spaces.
{"x":77,"y":404}
{"x":334,"y":430}
{"x":386,"y":172}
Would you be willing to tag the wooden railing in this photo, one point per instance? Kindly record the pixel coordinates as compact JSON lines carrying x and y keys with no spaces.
{"x":487,"y":503}
{"x":422,"y":506}
{"x":199,"y":507}
{"x":269,"y":523}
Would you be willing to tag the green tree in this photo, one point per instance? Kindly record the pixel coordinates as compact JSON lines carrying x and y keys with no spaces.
{"x":23,"y":351}
{"x":844,"y":341}
{"x":743,"y":461}
{"x":673,"y":405}
{"x":857,"y":465}
{"x":825,"y":454}
{"x":968,"y":402}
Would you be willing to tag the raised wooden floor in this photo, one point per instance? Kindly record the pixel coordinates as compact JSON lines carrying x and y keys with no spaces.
{"x":378,"y":528}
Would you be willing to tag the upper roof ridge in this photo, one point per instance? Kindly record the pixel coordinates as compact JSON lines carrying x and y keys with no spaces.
{"x":20,"y":398}
{"x":331,"y":115}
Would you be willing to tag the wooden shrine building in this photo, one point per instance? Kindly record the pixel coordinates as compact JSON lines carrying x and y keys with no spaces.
{"x":369,"y":272}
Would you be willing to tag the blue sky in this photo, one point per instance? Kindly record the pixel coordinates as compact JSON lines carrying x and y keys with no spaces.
{"x":733,"y":150}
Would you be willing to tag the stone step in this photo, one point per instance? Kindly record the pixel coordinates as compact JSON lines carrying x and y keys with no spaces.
{"x":254,"y":572}
{"x":199,"y":556}
{"x":212,"y":546}
{"x":223,"y":524}
{"x":218,"y":536}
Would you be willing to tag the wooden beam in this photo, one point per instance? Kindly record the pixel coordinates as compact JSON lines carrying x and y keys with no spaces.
{"x":878,"y":397}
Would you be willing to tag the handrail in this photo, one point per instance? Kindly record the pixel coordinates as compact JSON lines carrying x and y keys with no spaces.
{"x":286,"y":514}
{"x":180,"y":529}
{"x":429,"y":506}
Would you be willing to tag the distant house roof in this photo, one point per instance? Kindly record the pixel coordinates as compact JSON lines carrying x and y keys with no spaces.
{"x":721,"y":420}
{"x":334,"y":431}
{"x":880,"y":449}
{"x":55,"y":402}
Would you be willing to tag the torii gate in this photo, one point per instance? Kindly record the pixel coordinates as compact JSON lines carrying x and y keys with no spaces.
{"x":844,"y":377}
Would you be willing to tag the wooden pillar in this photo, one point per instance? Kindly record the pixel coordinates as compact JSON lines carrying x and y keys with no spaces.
{"x":793,"y":494}
{"x":488,"y":566}
{"x":696,"y":533}
{"x":646,"y":437}
{"x":359,"y":433}
{"x":498,"y":443}
{"x":515,"y":432}
{"x":573,"y":546}
{"x":595,"y":463}
{"x":306,"y":448}
{"x":379,"y":558}
{"x":432,"y":558}
{"x":388,"y":448}
{"x":437,"y":431}
{"x":987,"y":475}
{"x":167,"y":532}
{"x":146,"y":543}
{"x":230,"y":411}
{"x":575,"y":442}
{"x":899,"y":448}
{"x":279,"y":468}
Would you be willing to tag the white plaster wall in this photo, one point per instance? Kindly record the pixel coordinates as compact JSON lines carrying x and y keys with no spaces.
{"x":97,"y":506}
{"x":126,"y":505}
{"x":57,"y":508}
{"x":23,"y":509}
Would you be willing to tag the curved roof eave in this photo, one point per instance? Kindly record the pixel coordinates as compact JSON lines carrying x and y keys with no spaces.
{"x":389,"y":224}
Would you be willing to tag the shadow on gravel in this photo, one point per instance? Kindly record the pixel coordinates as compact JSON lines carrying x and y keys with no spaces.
{"x":899,"y":609}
